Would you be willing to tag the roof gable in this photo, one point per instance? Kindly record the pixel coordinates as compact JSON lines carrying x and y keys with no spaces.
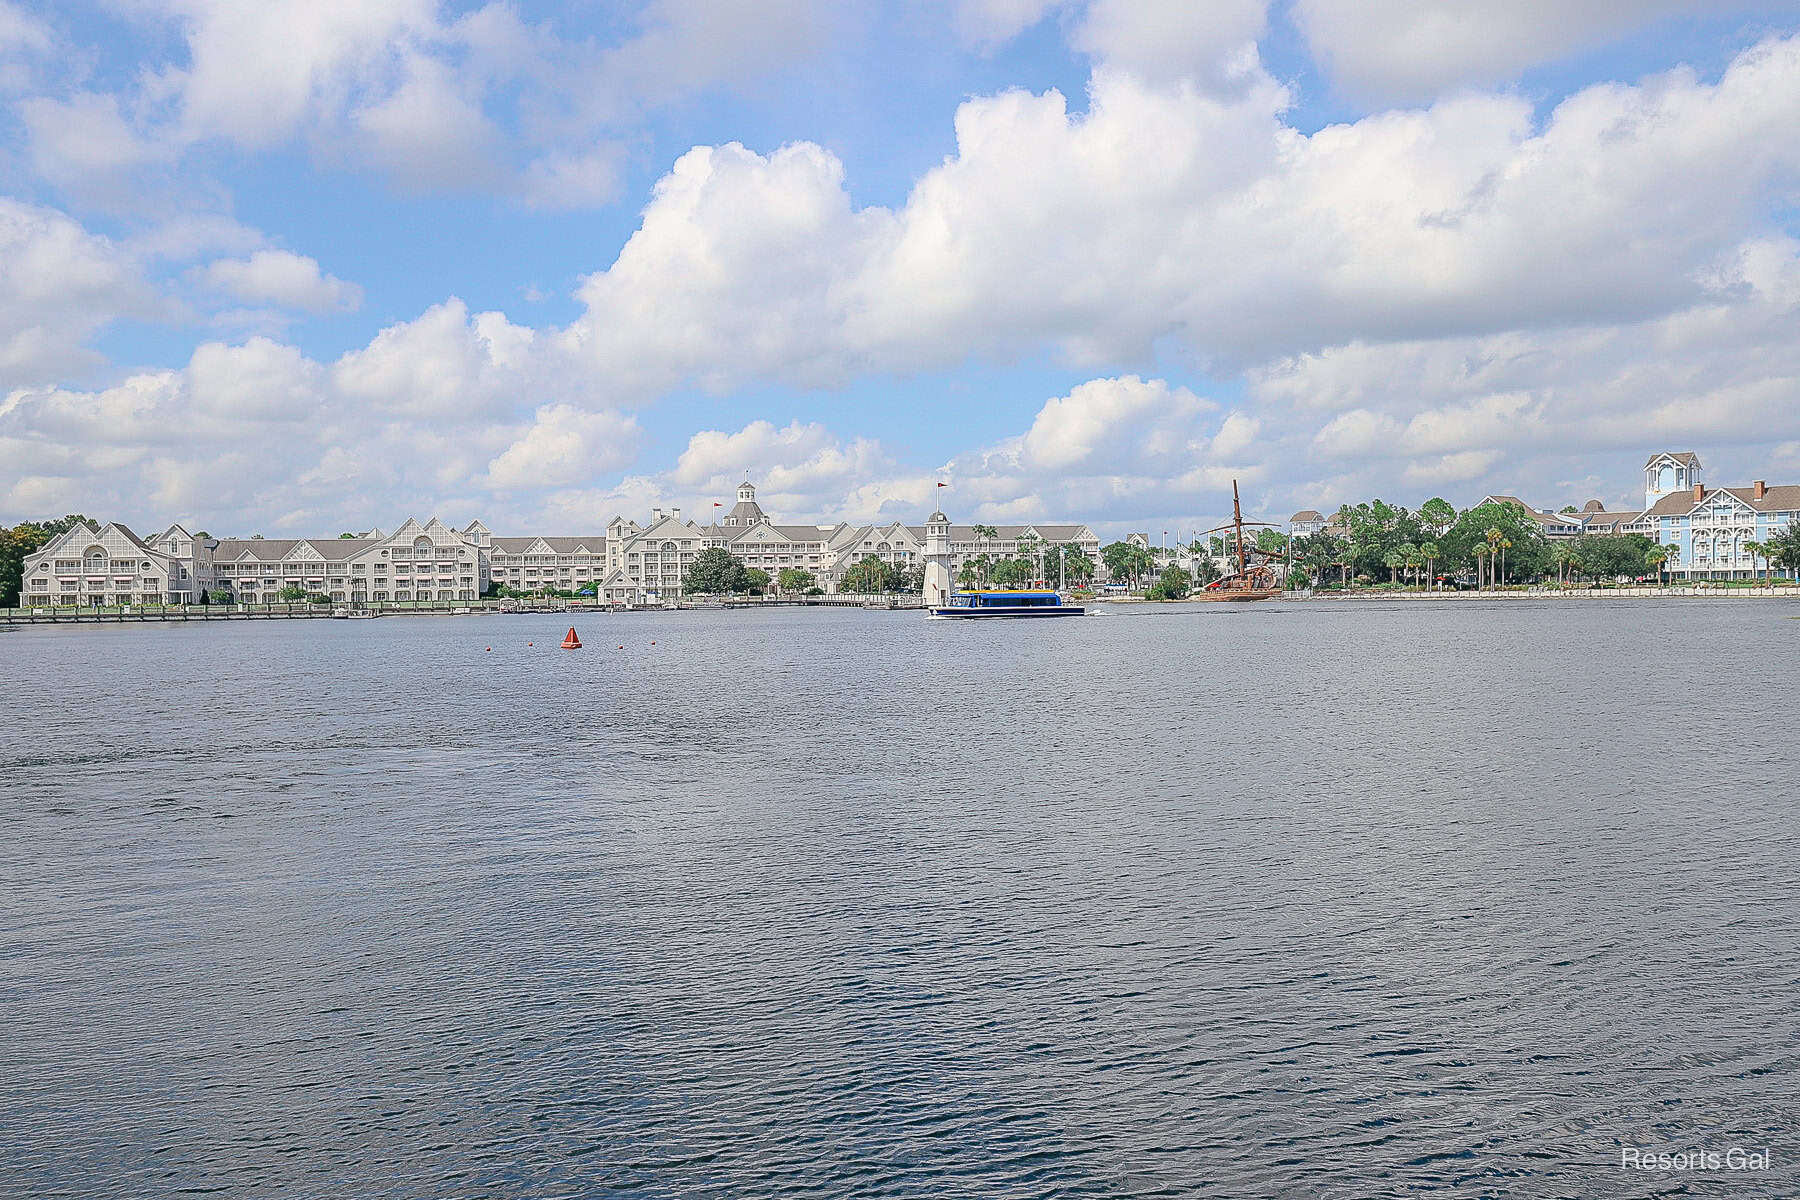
{"x":79,"y":537}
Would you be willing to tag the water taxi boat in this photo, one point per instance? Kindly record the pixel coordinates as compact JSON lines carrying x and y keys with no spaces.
{"x":963,"y":605}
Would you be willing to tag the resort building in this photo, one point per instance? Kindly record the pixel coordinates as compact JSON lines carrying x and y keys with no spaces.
{"x":628,"y":564}
{"x":1550,"y":524}
{"x":1707,"y":529}
{"x":416,"y":562}
{"x":1305,"y":522}
{"x":113,"y":565}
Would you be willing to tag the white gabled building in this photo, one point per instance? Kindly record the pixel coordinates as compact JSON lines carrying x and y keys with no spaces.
{"x":110,"y":564}
{"x":431,"y":561}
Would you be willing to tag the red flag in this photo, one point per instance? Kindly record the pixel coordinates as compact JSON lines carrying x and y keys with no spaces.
{"x":941,"y":483}
{"x":716,"y":504}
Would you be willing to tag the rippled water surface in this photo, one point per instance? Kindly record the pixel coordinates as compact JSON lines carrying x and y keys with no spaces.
{"x":1278,"y":900}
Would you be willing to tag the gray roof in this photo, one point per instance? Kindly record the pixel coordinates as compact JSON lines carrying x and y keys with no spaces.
{"x":559,"y":545}
{"x":1599,"y":518}
{"x":131,"y":537}
{"x":1306,"y":514}
{"x":1781,"y":498}
{"x":1686,"y":458}
{"x":277,"y":549}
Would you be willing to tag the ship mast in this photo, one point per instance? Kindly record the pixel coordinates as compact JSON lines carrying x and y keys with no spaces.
{"x":1237,"y":518}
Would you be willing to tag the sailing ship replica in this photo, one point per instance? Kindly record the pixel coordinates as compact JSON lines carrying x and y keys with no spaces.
{"x":1255,"y":577}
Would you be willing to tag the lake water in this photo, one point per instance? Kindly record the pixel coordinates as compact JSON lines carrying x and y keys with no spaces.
{"x":1274,"y":900}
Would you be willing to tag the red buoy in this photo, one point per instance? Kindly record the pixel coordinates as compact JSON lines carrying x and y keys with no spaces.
{"x":571,"y":642}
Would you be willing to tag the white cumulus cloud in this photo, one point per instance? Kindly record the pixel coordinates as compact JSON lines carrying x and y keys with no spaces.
{"x":282,"y":278}
{"x":1412,"y":50}
{"x":564,"y":445}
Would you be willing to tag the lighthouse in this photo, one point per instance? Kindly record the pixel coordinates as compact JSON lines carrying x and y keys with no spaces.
{"x":938,"y":560}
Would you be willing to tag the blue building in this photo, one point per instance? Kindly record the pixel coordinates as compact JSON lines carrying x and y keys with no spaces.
{"x":1707,"y":528}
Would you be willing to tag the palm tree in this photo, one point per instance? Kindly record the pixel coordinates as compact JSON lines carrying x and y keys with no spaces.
{"x":1672,"y":556}
{"x":1431,"y":551}
{"x":1655,"y":556}
{"x":984,"y":535}
{"x":1562,"y":554}
{"x":1493,"y":537}
{"x":1394,"y":560}
{"x":1756,"y":551}
{"x":1409,"y":554}
{"x":1505,"y":545}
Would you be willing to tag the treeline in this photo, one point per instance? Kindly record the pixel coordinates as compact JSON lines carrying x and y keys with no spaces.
{"x":1053,"y":562}
{"x":1493,"y":543}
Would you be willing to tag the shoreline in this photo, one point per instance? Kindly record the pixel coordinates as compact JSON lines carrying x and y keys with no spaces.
{"x":1541,"y":593}
{"x":17,"y":618}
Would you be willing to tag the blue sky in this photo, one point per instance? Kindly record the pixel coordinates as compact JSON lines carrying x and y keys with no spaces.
{"x":312,"y":264}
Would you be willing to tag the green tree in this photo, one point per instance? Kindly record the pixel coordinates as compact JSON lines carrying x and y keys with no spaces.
{"x":1012,"y":573}
{"x":1655,"y":558}
{"x":1784,"y":548}
{"x":871,"y":576}
{"x":1411,"y":560}
{"x":1066,"y":562}
{"x":1173,"y":584}
{"x":1393,"y":560}
{"x":291,"y":593}
{"x":1562,"y":554}
{"x":1126,"y":563}
{"x":1529,"y":554}
{"x":1430,"y":552}
{"x":1437,"y":515}
{"x":985,"y":536}
{"x":1031,"y":549}
{"x":1756,"y":551}
{"x":1607,"y":555}
{"x":794,"y":579}
{"x":714,"y":572}
{"x":754,"y":580}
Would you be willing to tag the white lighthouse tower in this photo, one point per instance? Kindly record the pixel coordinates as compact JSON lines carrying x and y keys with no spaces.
{"x":938,"y":559}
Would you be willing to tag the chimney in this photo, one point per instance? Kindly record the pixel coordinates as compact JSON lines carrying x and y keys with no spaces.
{"x":1761,"y":489}
{"x":655,"y":515}
{"x":1699,"y":492}
{"x":678,"y":514}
